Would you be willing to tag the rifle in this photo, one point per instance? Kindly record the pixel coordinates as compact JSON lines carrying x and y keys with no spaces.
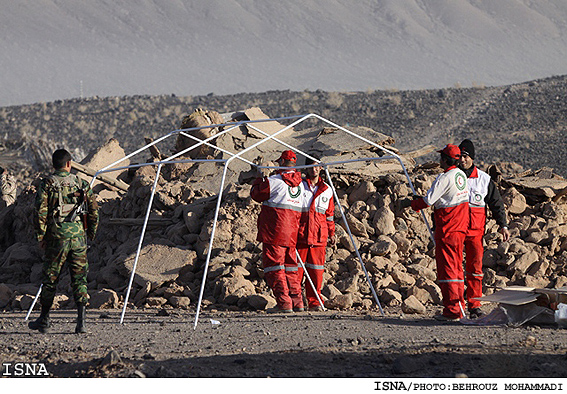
{"x":81,"y":208}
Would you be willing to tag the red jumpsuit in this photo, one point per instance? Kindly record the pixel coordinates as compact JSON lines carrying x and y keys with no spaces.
{"x":449,"y":196}
{"x":316,"y":226}
{"x":281,"y":196}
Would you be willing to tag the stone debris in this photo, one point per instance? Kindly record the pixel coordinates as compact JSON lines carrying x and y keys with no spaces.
{"x":394,"y":244}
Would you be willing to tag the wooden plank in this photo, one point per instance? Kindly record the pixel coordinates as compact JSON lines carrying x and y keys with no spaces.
{"x":102,"y":177}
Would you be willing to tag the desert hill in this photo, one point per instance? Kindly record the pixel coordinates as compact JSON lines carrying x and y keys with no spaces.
{"x":523,"y":123}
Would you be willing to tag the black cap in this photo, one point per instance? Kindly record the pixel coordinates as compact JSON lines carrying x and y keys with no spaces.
{"x":467,"y":148}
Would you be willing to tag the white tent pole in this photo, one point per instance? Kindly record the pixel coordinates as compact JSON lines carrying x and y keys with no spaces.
{"x":215,"y":147}
{"x":211,"y":241}
{"x":387,"y":151}
{"x":206,"y":268}
{"x":352,"y":240}
{"x":309,"y":278}
{"x":140,"y":243}
{"x":233,"y":126}
{"x":34,"y":301}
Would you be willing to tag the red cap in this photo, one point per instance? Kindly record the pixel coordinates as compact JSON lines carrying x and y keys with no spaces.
{"x":289,"y":155}
{"x":451,"y":150}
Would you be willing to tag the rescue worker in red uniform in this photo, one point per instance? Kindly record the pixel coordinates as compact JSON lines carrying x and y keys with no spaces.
{"x":482,"y":193}
{"x":281,"y":196}
{"x":316,"y":231}
{"x":449,"y":196}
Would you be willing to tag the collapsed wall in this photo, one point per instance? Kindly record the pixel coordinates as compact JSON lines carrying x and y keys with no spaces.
{"x":394,"y":243}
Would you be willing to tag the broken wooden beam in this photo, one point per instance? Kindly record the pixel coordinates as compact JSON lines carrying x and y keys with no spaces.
{"x":102,"y":177}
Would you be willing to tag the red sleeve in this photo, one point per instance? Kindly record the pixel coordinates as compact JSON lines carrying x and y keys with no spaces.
{"x":418,"y":204}
{"x":331,"y":218}
{"x":260,"y":191}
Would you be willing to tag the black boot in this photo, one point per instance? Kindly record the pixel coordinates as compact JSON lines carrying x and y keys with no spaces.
{"x":42,"y":323}
{"x":81,"y":312}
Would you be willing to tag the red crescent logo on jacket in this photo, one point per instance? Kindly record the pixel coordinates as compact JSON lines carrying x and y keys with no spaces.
{"x":460,"y":181}
{"x":294,"y":192}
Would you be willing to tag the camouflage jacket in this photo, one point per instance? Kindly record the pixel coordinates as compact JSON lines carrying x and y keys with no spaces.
{"x":47,"y":205}
{"x":7,"y":190}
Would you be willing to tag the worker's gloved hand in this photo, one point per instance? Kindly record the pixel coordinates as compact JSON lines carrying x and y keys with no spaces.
{"x":405,"y":202}
{"x":262,"y":172}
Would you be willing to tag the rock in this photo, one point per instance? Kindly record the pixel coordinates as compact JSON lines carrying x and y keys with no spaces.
{"x":101,"y":157}
{"x":112,"y":358}
{"x":235,"y":287}
{"x":179,"y":302}
{"x":403,"y":279}
{"x":363,"y":191}
{"x":390,"y":297}
{"x":60,"y":301}
{"x":142,"y":293}
{"x":26,"y":302}
{"x":103,"y":299}
{"x":383,"y":221}
{"x":376,"y":264}
{"x":358,"y":209}
{"x":5,"y":295}
{"x":538,"y":283}
{"x":261,"y":302}
{"x":523,"y":262}
{"x":421,"y":294}
{"x":330,"y":291}
{"x":412,"y":305}
{"x":490,"y":258}
{"x":348,"y":285}
{"x":383,"y":246}
{"x":198,"y":119}
{"x":343,"y":301}
{"x":537,"y":236}
{"x":422,"y":271}
{"x":356,"y":226}
{"x":386,"y":282}
{"x":155,"y":302}
{"x":173,"y":289}
{"x":514,"y":201}
{"x":157,"y":264}
{"x":433,"y":289}
{"x":539,"y":269}
{"x":403,"y":245}
{"x":344,"y":239}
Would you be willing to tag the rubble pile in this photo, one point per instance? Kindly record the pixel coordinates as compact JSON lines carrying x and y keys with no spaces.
{"x":395,"y":244}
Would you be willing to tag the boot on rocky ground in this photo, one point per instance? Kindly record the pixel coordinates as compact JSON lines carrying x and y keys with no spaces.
{"x":81,"y":313}
{"x":42,"y":323}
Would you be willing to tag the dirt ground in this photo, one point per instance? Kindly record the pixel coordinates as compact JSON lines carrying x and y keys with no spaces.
{"x":154,"y":343}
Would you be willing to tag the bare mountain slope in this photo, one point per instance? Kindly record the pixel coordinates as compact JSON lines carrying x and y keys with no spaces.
{"x":61,"y":49}
{"x":524,"y":123}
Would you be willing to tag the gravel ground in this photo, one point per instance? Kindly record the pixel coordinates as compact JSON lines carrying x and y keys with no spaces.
{"x":154,"y":343}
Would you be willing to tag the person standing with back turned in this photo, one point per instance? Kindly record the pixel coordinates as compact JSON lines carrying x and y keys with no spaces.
{"x":61,"y":227}
{"x":482,"y":193}
{"x":449,"y":196}
{"x":281,"y":196}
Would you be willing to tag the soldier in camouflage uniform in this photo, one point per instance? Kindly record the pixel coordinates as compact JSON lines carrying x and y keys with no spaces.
{"x":61,"y":225}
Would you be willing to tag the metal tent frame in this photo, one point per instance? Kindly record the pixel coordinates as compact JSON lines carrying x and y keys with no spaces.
{"x":238,"y":155}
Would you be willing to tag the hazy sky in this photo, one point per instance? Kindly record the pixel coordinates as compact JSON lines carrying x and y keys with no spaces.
{"x":58,"y":49}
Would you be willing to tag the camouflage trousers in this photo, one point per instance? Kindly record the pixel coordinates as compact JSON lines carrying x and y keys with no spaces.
{"x":57,"y":252}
